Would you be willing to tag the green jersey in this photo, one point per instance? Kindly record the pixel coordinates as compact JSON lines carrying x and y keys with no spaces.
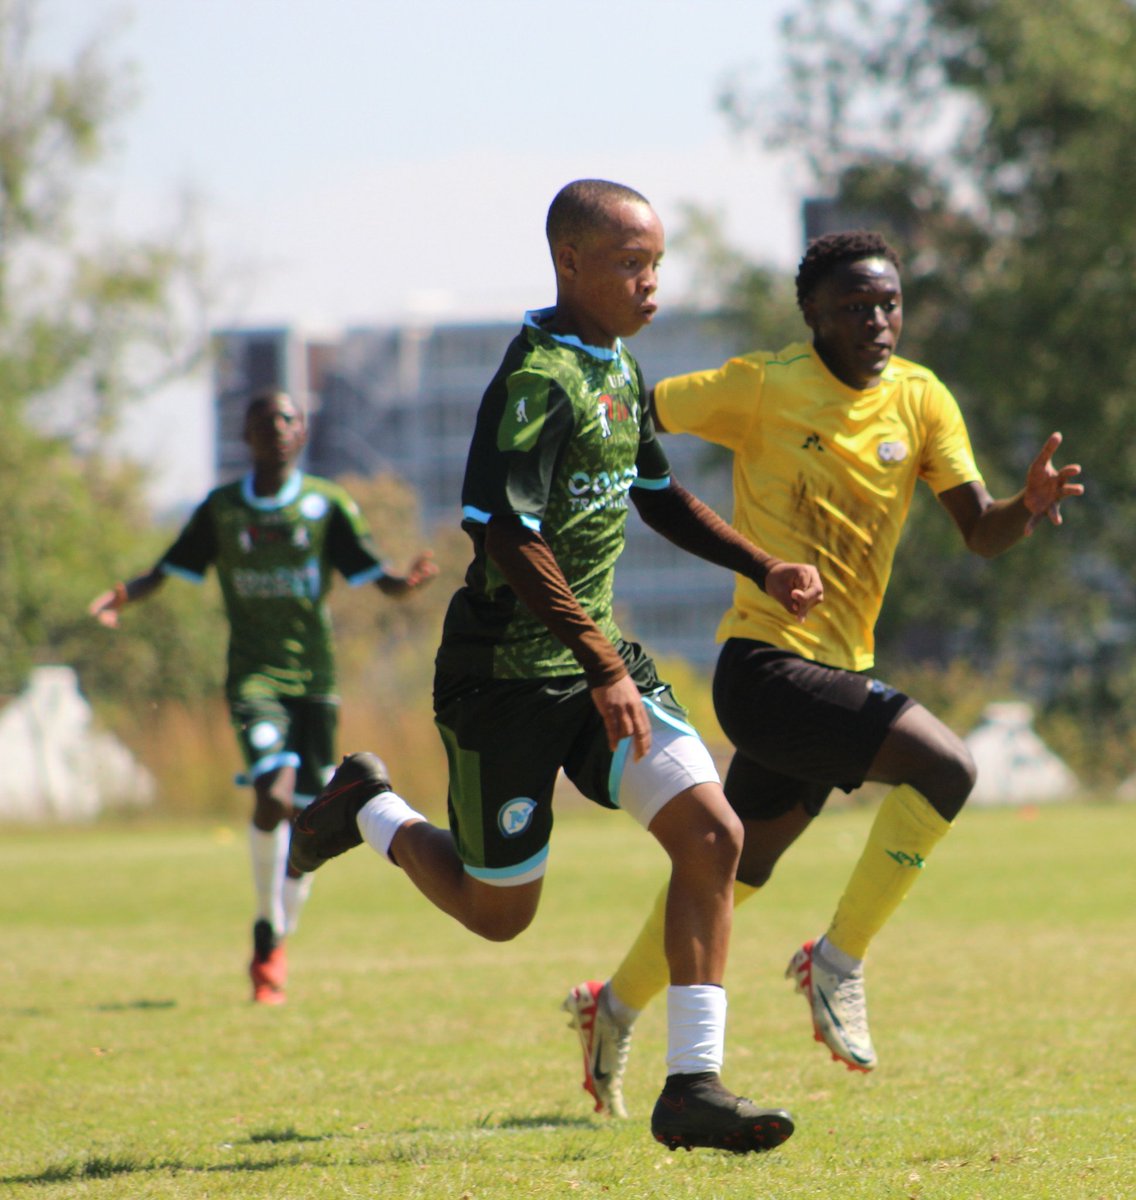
{"x":561,"y":437}
{"x":274,"y":557}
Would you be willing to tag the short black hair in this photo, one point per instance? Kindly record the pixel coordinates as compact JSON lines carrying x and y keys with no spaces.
{"x":265,"y":396}
{"x":827,"y":252}
{"x":584,"y":205}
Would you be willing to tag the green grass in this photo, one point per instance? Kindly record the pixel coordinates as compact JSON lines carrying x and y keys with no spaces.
{"x":414,"y":1061}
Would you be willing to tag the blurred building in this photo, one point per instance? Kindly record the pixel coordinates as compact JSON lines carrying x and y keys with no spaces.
{"x":402,"y":400}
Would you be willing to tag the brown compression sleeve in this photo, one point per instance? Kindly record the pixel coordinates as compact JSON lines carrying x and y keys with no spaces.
{"x":695,"y":527}
{"x":531,"y":570}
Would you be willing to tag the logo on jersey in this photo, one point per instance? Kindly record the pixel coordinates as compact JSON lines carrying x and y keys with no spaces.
{"x":260,"y":537}
{"x":892,"y":452}
{"x":516,"y":816}
{"x":526,"y":407}
{"x":591,"y":493}
{"x":813,"y":442}
{"x":313,"y":506}
{"x":610,"y":409}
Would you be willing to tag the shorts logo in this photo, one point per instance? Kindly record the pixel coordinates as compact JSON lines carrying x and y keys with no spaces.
{"x":892,"y":452}
{"x":878,"y":688}
{"x":262,"y":735}
{"x":516,"y":816}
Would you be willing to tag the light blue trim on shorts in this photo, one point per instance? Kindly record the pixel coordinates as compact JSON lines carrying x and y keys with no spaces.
{"x":504,"y":876}
{"x":618,"y":762}
{"x":667,"y":718}
{"x":286,"y":758}
{"x":619,"y":757}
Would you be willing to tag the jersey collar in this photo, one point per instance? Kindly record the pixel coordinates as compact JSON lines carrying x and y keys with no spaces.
{"x":537,"y":318}
{"x":285,"y":496}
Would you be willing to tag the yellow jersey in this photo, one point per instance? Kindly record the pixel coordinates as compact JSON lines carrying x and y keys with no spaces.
{"x":824,"y":474}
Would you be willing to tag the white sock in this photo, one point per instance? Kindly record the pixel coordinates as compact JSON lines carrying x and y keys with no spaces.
{"x":622,"y":1014}
{"x":296,"y":893}
{"x":696,"y":1029}
{"x":269,"y":852}
{"x":382,"y":817}
{"x":834,"y":959}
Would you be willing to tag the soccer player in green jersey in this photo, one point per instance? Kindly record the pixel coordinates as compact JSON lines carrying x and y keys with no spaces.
{"x":829,"y":439}
{"x":533,"y":674}
{"x":274,"y":538}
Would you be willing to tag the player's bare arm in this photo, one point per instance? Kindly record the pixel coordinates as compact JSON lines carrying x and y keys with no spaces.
{"x":683,"y":519}
{"x":528,"y":564}
{"x":990,"y":526}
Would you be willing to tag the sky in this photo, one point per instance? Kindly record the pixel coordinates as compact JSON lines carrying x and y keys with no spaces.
{"x":361,"y":162}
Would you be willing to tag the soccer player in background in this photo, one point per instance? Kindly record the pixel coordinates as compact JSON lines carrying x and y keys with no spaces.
{"x":275,"y":537}
{"x":828,"y":441}
{"x":533,"y":675}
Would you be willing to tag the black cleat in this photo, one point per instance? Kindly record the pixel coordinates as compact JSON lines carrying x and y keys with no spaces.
{"x":327,"y":826}
{"x":698,"y":1110}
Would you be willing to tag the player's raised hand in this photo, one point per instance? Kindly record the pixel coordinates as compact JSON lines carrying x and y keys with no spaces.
{"x":1047,"y":486}
{"x":421,"y":570}
{"x":624,"y":715}
{"x":795,"y":586}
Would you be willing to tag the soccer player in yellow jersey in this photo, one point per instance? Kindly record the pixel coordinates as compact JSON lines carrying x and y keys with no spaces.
{"x":828,"y":441}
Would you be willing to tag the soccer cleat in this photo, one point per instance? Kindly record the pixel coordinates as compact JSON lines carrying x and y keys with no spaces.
{"x":269,"y":967}
{"x":605,"y":1045}
{"x":839,"y":1009}
{"x":327,"y":826}
{"x":699,"y":1110}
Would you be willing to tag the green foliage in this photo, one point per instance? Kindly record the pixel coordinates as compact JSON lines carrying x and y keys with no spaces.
{"x":89,"y":321}
{"x":414,"y":1061}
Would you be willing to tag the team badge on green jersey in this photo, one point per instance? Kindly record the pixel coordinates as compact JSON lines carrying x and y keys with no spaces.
{"x":525,"y":410}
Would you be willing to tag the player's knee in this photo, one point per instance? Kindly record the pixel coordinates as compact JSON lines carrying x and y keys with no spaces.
{"x":949,"y":785}
{"x":499,"y":926}
{"x":721,"y":841}
{"x":755,"y":867}
{"x":269,"y":811}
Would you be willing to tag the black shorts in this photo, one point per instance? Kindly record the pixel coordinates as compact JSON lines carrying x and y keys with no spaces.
{"x":285,"y":731}
{"x":506,"y":741}
{"x":799,"y":728}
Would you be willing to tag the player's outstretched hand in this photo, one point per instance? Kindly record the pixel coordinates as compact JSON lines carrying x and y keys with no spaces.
{"x":624,"y":715}
{"x":421,"y":570}
{"x":795,"y":586}
{"x":1046,"y":486}
{"x":105,"y":607}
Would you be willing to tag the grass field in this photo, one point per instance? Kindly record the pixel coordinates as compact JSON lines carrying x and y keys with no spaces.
{"x":414,"y":1061}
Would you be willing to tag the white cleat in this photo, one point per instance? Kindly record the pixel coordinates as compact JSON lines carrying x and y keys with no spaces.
{"x":839,"y":1008}
{"x":605,"y":1044}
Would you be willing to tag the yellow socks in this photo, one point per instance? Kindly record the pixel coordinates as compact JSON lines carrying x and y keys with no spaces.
{"x":904,"y":833}
{"x":644,"y":973}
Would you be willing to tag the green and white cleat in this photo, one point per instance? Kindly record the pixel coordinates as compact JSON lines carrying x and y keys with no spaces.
{"x":839,"y":1008}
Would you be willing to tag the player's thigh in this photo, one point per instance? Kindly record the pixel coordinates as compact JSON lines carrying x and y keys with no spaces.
{"x":312,"y":736}
{"x":262,"y":726}
{"x":791,"y":719}
{"x":919,"y":750}
{"x":676,"y":760}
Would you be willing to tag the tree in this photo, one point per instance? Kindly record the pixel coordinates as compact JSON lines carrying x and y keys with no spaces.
{"x":89,"y":321}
